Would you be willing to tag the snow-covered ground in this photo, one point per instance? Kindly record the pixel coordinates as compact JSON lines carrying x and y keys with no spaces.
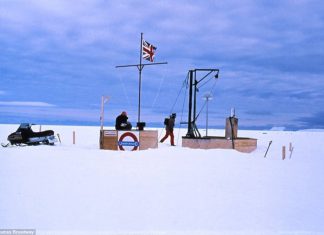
{"x":80,"y":189}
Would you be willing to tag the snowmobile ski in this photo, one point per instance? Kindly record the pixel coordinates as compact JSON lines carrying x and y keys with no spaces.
{"x":5,"y":145}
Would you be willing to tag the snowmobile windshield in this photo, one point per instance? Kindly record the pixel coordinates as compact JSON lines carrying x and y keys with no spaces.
{"x":24,"y":126}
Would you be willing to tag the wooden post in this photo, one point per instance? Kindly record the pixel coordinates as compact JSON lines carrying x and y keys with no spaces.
{"x":58,"y":136}
{"x":104,"y":99}
{"x":73,"y":137}
{"x":283,"y":152}
{"x":268,"y":148}
{"x":291,"y":149}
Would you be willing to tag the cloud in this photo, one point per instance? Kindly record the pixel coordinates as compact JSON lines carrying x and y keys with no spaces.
{"x":312,"y":120}
{"x":269,"y":54}
{"x":26,"y":103}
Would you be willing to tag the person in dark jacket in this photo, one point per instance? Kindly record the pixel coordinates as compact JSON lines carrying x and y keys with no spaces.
{"x":169,"y":130}
{"x":122,"y":123}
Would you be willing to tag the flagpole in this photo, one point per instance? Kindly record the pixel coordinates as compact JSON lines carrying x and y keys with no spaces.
{"x":140,"y":67}
{"x":140,"y":81}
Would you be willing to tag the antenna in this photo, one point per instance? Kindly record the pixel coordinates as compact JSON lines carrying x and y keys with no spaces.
{"x":208,"y":96}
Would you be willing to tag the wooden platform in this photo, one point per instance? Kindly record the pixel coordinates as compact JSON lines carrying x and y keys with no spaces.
{"x":241,"y":144}
{"x":128,"y":140}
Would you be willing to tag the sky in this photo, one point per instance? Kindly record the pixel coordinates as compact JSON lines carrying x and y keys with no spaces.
{"x":58,"y":57}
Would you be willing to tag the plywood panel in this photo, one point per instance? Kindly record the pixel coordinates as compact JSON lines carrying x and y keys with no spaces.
{"x":241,"y":144}
{"x":109,"y":139}
{"x":228,"y":127}
{"x":148,"y":139}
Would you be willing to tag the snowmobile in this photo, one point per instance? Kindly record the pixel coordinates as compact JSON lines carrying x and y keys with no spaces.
{"x":26,"y":136}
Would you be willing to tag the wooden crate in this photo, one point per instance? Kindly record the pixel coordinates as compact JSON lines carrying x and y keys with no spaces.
{"x":148,"y":139}
{"x":109,"y":139}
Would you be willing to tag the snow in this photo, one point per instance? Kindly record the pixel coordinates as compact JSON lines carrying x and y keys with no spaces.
{"x":80,"y":189}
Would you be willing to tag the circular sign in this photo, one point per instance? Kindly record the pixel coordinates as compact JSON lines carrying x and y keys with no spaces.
{"x":128,"y":140}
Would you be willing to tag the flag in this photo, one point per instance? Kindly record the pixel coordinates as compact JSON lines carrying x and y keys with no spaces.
{"x":148,"y":51}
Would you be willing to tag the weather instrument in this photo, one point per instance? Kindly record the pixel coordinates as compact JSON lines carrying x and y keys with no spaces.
{"x":208,"y":96}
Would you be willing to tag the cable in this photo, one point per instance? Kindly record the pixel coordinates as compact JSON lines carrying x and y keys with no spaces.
{"x":183,"y":84}
{"x":159,"y":90}
{"x":124,"y":90}
{"x":212,"y":91}
{"x":183,"y":104}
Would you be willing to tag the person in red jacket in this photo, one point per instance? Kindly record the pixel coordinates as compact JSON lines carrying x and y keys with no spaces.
{"x":169,"y":129}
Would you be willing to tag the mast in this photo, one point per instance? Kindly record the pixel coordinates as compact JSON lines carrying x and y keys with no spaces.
{"x":190,"y":129}
{"x":140,"y":67}
{"x":140,"y":80}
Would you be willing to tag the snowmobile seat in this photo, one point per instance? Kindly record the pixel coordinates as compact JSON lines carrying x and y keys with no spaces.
{"x":27,"y":132}
{"x":41,"y":134}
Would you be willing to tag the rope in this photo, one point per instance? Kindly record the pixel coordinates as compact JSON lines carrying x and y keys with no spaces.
{"x":183,"y":85}
{"x":183,"y":104}
{"x":205,"y":83}
{"x":212,"y":91}
{"x":159,"y":90}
